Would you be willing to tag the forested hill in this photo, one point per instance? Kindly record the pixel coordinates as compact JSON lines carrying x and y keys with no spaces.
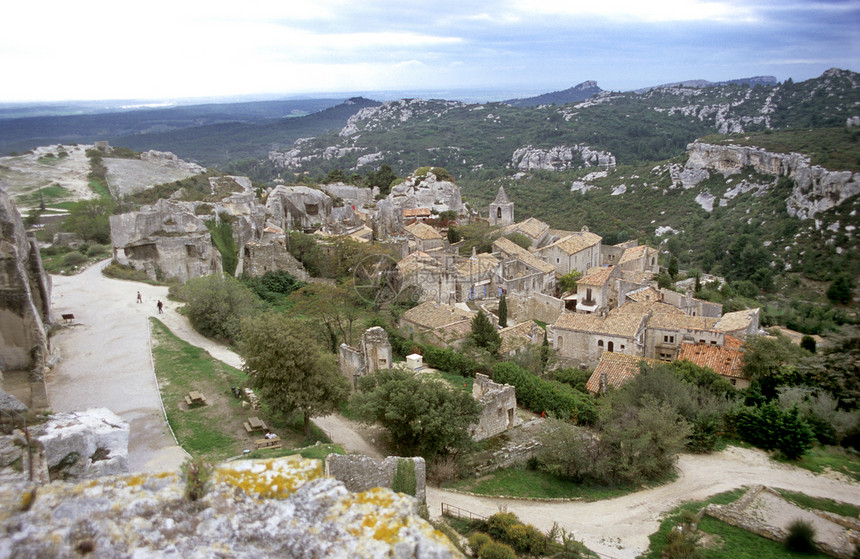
{"x":218,"y":144}
{"x":629,"y":127}
{"x":574,"y":94}
{"x":20,"y":133}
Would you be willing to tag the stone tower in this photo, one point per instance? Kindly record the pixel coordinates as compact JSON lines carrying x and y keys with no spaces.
{"x":502,"y":209}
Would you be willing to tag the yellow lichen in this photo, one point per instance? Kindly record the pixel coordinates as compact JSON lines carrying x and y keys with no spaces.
{"x":276,"y":478}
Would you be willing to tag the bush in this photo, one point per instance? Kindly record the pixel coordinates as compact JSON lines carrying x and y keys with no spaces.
{"x":546,"y":396}
{"x":97,"y":250}
{"x":496,"y":550}
{"x":216,"y":304}
{"x":478,"y":540}
{"x":74,"y":259}
{"x":801,"y":537}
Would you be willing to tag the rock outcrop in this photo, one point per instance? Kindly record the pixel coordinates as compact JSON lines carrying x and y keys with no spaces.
{"x":298,"y":207}
{"x":165,"y":239}
{"x":25,"y":300}
{"x":816,"y":189}
{"x":282,"y":507}
{"x":560,"y":157}
{"x":414,"y":192}
{"x":129,"y":176}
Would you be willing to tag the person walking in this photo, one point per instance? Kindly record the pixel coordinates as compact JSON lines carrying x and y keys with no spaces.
{"x":160,"y":306}
{"x":139,"y":298}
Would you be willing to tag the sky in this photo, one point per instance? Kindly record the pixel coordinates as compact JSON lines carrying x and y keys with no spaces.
{"x":159,"y":50}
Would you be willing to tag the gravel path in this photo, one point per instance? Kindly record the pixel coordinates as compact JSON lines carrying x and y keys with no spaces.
{"x":108,"y":348}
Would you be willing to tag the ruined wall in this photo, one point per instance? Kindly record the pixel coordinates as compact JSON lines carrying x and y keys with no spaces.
{"x":268,"y":255}
{"x":534,"y":306}
{"x":360,"y":473}
{"x":499,"y":411}
{"x":25,"y":296}
{"x":376,"y":349}
{"x":351,"y":363}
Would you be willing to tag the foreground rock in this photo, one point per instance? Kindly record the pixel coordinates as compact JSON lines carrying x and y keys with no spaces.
{"x":282,"y":507}
{"x":25,"y":300}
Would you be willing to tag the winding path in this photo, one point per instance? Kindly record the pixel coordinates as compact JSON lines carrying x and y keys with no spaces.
{"x":107,"y":363}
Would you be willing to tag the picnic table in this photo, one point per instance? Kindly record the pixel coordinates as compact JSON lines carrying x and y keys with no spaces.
{"x":195,"y":397}
{"x":274,"y":442}
{"x":255,"y":424}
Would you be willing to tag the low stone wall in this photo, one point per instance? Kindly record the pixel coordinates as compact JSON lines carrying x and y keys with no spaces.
{"x":535,"y":306}
{"x":360,"y":473}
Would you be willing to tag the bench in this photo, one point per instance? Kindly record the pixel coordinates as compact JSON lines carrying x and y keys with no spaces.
{"x":194,"y":397}
{"x":68,"y":317}
{"x":274,"y":442}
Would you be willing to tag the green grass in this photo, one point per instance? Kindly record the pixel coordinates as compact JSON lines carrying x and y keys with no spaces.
{"x":461,"y":382}
{"x":821,"y":458}
{"x":48,"y":193}
{"x":99,"y":187}
{"x":215,"y":431}
{"x":318,"y":452}
{"x":819,"y":503}
{"x":731,"y":542}
{"x":535,"y":484}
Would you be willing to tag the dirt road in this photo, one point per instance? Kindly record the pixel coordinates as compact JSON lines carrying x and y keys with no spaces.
{"x":107,"y":363}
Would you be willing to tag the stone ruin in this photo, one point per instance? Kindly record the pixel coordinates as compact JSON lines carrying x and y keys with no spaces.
{"x":281,"y":507}
{"x":360,"y":473}
{"x":373,"y":354}
{"x":25,"y":305}
{"x":499,"y":412}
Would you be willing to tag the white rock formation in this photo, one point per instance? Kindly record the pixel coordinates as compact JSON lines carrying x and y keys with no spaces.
{"x":560,"y":157}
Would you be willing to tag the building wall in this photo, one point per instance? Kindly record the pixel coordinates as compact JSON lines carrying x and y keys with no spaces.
{"x":585,"y":348}
{"x":534,"y":306}
{"x":360,"y":473}
{"x":501,"y":214}
{"x":499,"y":412}
{"x":565,"y":263}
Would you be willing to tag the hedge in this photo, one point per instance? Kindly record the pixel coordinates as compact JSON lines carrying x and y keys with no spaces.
{"x":551,"y":396}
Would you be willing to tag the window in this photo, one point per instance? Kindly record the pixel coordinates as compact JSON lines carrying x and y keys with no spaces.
{"x":669,"y":339}
{"x":499,"y":213}
{"x":559,"y":342}
{"x":557,"y":260}
{"x":588,"y":294}
{"x":733,"y":381}
{"x":599,"y":343}
{"x":622,"y":347}
{"x":610,"y":346}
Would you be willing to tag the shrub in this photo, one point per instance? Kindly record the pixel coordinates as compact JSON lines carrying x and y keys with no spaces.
{"x":496,"y":550}
{"x":404,"y":477}
{"x":478,"y":540}
{"x":546,"y":396}
{"x":74,"y":259}
{"x":499,"y":524}
{"x":801,"y":537}
{"x":216,"y":304}
{"x":196,"y":472}
{"x":97,"y":250}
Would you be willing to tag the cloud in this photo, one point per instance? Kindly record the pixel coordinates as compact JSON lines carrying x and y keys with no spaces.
{"x":637,"y":10}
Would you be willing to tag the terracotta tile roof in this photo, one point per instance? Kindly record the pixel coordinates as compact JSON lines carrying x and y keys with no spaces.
{"x":481,"y":265}
{"x":509,"y":247}
{"x":618,"y":368}
{"x":733,"y":342}
{"x":723,"y":360}
{"x":532,"y":228}
{"x":614,"y":324}
{"x":681,"y":321}
{"x":417,"y":212}
{"x":644,"y":295}
{"x":433,"y":315}
{"x":576,"y":242}
{"x":654,"y":307}
{"x":737,"y":320}
{"x":514,"y":337}
{"x":596,"y":279}
{"x":416,"y":261}
{"x":423,"y":231}
{"x":634,"y":253}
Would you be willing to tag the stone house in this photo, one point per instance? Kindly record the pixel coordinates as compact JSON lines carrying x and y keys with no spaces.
{"x":478,"y":277}
{"x":536,"y":230}
{"x":726,"y":360}
{"x":640,"y":258}
{"x":595,"y":292}
{"x":666,"y":332}
{"x":423,"y":237}
{"x":499,"y":408}
{"x":437,"y":323}
{"x":582,"y":338}
{"x":501,"y":210}
{"x":373,"y":354}
{"x":690,"y":305}
{"x":577,"y":251}
{"x":613,"y":370}
{"x":611,"y":254}
{"x":522,"y":271}
{"x":520,"y":337}
{"x":430,"y":276}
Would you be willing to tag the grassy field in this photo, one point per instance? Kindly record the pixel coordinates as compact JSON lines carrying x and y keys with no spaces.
{"x":526,"y":483}
{"x":214,"y":431}
{"x":821,"y":458}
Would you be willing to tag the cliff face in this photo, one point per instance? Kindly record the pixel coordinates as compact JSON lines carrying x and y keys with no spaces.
{"x":816,"y":189}
{"x":25,"y":298}
{"x":282,"y":507}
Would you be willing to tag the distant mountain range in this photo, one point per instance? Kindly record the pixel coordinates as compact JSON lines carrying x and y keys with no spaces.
{"x":752,"y":82}
{"x":573,"y":94}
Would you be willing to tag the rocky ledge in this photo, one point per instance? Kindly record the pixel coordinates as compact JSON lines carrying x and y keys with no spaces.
{"x":283,"y":507}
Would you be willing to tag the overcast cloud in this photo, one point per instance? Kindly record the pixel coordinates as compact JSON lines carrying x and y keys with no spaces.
{"x":51,"y":50}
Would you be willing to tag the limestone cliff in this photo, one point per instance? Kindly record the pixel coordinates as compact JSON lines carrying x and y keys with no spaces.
{"x":25,"y":299}
{"x":560,"y":157}
{"x":282,"y":507}
{"x":816,"y":189}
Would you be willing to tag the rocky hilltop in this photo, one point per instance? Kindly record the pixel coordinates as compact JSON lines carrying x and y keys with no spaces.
{"x":283,"y":507}
{"x":816,"y":189}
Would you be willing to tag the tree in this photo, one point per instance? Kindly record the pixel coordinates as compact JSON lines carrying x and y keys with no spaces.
{"x":90,"y":220}
{"x":567,"y":282}
{"x":216,"y":304}
{"x":453,"y":235}
{"x":383,"y":178}
{"x":484,"y":334}
{"x":673,"y":267}
{"x":795,"y":436}
{"x":771,"y":362}
{"x":840,"y":290}
{"x":288,"y":370}
{"x":424,"y":417}
{"x":503,"y":311}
